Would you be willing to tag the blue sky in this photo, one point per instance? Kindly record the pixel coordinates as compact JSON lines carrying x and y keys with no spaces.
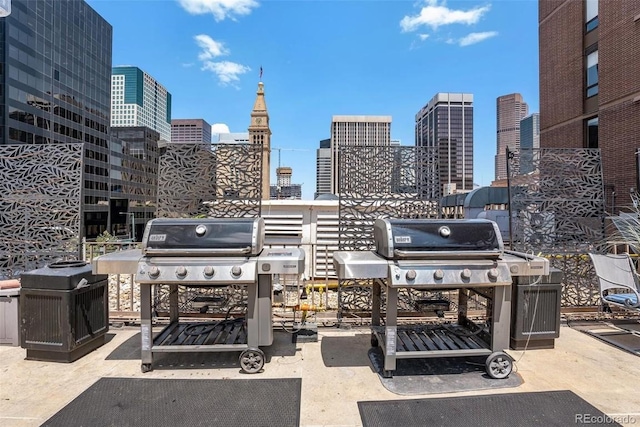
{"x":322,"y":58}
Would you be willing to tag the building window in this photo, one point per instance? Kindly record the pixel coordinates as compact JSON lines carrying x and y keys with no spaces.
{"x":592,"y":133}
{"x":592,"y":74}
{"x":591,"y":14}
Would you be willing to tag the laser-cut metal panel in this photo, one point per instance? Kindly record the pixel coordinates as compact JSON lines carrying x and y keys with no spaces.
{"x":382,"y":182}
{"x":222,"y":180}
{"x":558,"y":206}
{"x":40,"y":205}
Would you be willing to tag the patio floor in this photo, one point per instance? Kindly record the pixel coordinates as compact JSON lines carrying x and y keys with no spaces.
{"x":336,"y":374}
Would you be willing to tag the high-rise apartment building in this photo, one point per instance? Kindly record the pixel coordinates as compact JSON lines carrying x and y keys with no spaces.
{"x":446,"y":124}
{"x":529,"y":139}
{"x":137,"y":99}
{"x":510,"y":110}
{"x":55,"y":85}
{"x":356,"y":130}
{"x":190,"y":130}
{"x":323,"y":168}
{"x":590,"y":86}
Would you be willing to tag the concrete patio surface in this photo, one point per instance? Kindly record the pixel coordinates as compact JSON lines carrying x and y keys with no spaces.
{"x":334,"y":377}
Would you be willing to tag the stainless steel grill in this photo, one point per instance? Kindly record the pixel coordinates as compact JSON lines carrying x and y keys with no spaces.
{"x":465,"y":255}
{"x":208,"y":252}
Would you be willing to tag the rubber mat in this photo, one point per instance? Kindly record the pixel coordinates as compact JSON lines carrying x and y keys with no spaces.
{"x":623,"y":335}
{"x":554,"y":408}
{"x":439,"y":375}
{"x":129,"y":402}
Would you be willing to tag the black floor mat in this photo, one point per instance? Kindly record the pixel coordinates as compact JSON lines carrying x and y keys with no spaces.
{"x":180,"y":402}
{"x":554,"y":408}
{"x":439,"y":375}
{"x":624,"y":335}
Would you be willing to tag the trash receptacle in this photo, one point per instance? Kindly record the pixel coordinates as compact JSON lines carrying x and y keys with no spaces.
{"x":9,"y":302}
{"x":64,"y":311}
{"x":535,"y":311}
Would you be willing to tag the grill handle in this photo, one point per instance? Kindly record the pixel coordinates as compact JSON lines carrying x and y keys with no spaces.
{"x":446,"y":254}
{"x":212,"y":251}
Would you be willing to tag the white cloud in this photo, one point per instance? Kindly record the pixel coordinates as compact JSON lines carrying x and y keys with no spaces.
{"x":228,"y":72}
{"x":220,"y":9}
{"x":474,"y":38}
{"x":423,"y":37}
{"x":436,"y":14}
{"x":219,"y":128}
{"x":210,"y":47}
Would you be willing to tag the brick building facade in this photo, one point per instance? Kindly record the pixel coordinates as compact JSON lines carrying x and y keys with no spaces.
{"x":590,"y":85}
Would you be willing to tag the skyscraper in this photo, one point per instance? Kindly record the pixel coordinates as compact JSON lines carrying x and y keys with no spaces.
{"x":590,"y":86}
{"x":510,"y":110}
{"x":137,"y":99}
{"x":55,"y":88}
{"x":323,"y":168}
{"x":446,"y":124}
{"x":356,"y":130}
{"x":134,"y":179}
{"x":529,"y":139}
{"x":190,"y":130}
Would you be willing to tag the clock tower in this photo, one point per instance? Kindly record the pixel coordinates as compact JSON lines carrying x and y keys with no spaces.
{"x":259,"y":133}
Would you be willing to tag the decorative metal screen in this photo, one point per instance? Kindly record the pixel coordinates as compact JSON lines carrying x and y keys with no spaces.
{"x":40,"y":205}
{"x":221,"y":180}
{"x":557,"y":208}
{"x":380,"y":182}
{"x":215,"y":180}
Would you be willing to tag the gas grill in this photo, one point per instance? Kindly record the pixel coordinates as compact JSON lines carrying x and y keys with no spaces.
{"x":208,"y":252}
{"x":435,"y":255}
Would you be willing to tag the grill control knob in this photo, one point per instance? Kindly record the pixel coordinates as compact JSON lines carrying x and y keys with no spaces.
{"x":444,"y":231}
{"x":411,"y":275}
{"x":438,"y":274}
{"x":465,"y":274}
{"x":201,"y":230}
{"x":236,"y":271}
{"x":209,"y":271}
{"x":181,"y":272}
{"x":514,"y":269}
{"x":154,"y":272}
{"x":493,"y":274}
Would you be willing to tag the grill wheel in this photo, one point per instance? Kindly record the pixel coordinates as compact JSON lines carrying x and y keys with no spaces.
{"x":252,"y":360}
{"x":499,"y":365}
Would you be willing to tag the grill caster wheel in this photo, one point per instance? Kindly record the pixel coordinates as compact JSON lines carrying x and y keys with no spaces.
{"x":252,"y":360}
{"x":499,"y":365}
{"x":146,"y":367}
{"x":374,"y":341}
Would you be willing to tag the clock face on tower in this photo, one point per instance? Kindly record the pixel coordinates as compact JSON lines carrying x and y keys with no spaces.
{"x":258,"y":120}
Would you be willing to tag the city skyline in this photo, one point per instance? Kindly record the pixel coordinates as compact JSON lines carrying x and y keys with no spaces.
{"x":210,"y":59}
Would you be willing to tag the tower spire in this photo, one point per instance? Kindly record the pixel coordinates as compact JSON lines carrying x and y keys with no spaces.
{"x":259,"y":133}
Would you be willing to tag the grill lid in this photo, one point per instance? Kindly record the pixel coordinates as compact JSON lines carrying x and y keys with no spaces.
{"x":204,"y":236}
{"x":437,"y":238}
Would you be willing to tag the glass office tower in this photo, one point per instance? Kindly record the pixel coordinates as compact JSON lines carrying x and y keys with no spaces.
{"x":55,"y":82}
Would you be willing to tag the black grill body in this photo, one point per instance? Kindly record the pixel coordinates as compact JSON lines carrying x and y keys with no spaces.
{"x":64,"y":311}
